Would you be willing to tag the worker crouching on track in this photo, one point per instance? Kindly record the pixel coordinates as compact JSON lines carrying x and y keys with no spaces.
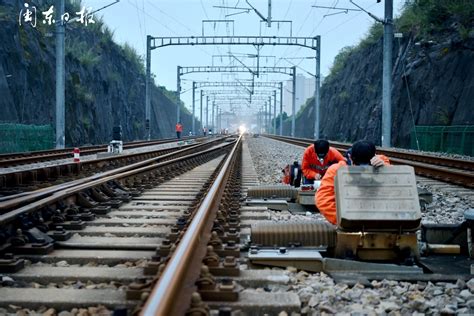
{"x":317,"y":158}
{"x":362,"y":153}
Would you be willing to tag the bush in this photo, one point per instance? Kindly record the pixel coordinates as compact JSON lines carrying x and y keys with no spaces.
{"x":344,"y":96}
{"x":425,"y":17}
{"x":422,"y":17}
{"x":374,"y":35}
{"x":309,"y":102}
{"x":339,"y":61}
{"x":81,"y":52}
{"x":72,"y":6}
{"x":132,"y":56}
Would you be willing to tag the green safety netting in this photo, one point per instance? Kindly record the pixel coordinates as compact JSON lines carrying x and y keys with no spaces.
{"x":450,"y":139}
{"x":21,"y":137}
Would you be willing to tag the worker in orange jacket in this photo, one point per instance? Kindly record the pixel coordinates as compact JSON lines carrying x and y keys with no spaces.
{"x":361,"y":153}
{"x":316,"y":160}
{"x":179,"y":130}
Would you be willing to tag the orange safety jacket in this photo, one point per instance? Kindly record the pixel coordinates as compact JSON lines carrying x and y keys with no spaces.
{"x":179,"y":127}
{"x":325,"y":197}
{"x":311,"y":165}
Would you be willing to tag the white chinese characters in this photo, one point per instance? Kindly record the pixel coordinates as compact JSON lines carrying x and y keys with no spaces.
{"x":28,"y":15}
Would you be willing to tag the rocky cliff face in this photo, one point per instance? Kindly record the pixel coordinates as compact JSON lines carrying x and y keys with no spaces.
{"x":105,"y":83}
{"x":438,"y":77}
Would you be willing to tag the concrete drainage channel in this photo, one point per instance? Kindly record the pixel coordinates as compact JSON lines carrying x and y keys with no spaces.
{"x":109,"y":260}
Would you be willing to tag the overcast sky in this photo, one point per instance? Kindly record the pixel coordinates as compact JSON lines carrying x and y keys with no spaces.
{"x":132,"y":20}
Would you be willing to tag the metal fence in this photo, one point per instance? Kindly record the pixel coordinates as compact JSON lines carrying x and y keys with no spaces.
{"x":21,"y":137}
{"x":450,"y":139}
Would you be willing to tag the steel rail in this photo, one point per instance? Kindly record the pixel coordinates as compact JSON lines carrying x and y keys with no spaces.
{"x":62,"y":194}
{"x":8,"y":179}
{"x":45,"y":155}
{"x":9,"y":202}
{"x":427,"y":158}
{"x":457,"y":171}
{"x":176,"y":277}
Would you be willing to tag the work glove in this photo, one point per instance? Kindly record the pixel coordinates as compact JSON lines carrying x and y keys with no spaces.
{"x":376,"y":162}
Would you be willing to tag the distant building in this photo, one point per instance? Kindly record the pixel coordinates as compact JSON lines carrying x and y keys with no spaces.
{"x":304,"y":90}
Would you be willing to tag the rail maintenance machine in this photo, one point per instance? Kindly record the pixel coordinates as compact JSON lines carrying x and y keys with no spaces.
{"x":379,"y":232}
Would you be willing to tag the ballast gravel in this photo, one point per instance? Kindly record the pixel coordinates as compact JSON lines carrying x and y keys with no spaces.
{"x":321,"y":295}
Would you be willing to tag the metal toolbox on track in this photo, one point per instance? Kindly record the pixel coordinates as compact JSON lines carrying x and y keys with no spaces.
{"x":377,"y":199}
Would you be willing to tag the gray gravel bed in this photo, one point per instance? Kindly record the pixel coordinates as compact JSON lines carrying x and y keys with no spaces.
{"x":45,"y":311}
{"x":432,"y":153}
{"x":436,"y":154}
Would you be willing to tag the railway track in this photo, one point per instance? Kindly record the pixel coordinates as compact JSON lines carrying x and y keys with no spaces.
{"x":31,"y":177}
{"x":456,"y":171}
{"x":174,"y":229}
{"x":17,"y":200}
{"x":105,"y":244}
{"x":15,"y":159}
{"x":177,"y":238}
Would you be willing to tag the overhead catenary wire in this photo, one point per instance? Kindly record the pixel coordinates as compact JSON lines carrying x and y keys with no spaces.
{"x":336,"y":27}
{"x":278,"y":30}
{"x":346,"y":21}
{"x":142,"y":35}
{"x":176,"y":21}
{"x":171,"y":17}
{"x":312,"y":32}
{"x":296,"y":34}
{"x":153,"y":18}
{"x":301,"y":68}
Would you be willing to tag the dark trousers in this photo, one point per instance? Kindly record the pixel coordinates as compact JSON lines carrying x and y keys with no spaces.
{"x":178,"y":135}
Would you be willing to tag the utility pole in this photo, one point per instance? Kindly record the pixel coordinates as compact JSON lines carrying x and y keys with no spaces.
{"x":281,"y":108}
{"x":387,"y":22}
{"x":60,"y":77}
{"x":269,"y":114}
{"x":387,"y":75}
{"x":218,"y":123}
{"x":212,"y":116}
{"x":178,"y":94}
{"x":274,"y":111}
{"x":60,"y":26}
{"x":264,"y":118}
{"x":200,"y":110}
{"x":317,"y":84}
{"x":194,"y":106}
{"x":293,"y":104}
{"x":207,"y":112}
{"x":269,"y":22}
{"x":147,"y":88}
